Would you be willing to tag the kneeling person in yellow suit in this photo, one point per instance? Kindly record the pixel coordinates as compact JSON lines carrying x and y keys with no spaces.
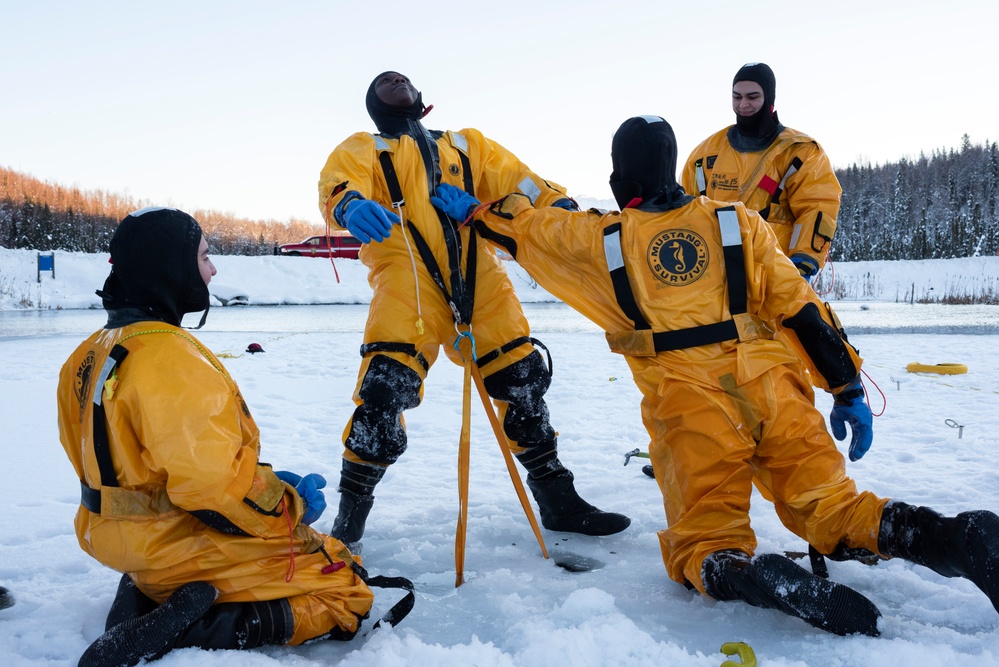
{"x":692,"y":291}
{"x":173,"y":492}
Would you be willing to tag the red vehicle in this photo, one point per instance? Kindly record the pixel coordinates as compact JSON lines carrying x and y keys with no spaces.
{"x":337,"y":244}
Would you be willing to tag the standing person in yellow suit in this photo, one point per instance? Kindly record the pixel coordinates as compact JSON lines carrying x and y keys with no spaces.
{"x":691,"y":291}
{"x":173,"y":492}
{"x":432,"y":276}
{"x":781,"y":173}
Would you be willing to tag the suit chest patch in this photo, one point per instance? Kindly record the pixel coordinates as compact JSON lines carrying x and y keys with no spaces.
{"x":677,"y":257}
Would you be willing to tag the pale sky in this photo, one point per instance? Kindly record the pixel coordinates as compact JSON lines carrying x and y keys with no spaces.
{"x":235,"y":106}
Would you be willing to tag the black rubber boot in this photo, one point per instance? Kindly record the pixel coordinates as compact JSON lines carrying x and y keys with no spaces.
{"x":357,"y":486}
{"x":240,"y":625}
{"x":562,"y":509}
{"x":963,"y":546}
{"x":6,"y":598}
{"x":772,"y":581}
{"x":351,"y":517}
{"x":153,"y":634}
{"x":129,"y":602}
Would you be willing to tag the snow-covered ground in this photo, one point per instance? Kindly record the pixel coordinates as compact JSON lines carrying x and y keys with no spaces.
{"x":515,"y":608}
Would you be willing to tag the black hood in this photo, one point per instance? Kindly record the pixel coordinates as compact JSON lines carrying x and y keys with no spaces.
{"x":643,"y":154}
{"x":154,"y":257}
{"x":392,"y":120}
{"x":756,"y":132}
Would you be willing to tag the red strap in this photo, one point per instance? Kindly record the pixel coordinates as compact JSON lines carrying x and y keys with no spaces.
{"x":769,"y":184}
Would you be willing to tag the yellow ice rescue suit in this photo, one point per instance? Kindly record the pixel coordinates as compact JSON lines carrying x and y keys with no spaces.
{"x":790,"y":183}
{"x":692,"y":297}
{"x":172,"y":488}
{"x":432,"y":276}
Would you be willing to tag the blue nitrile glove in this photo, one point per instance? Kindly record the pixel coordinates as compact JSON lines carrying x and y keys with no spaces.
{"x":369,"y":221}
{"x":308,"y":489}
{"x":807,"y":265}
{"x":457,"y":203}
{"x":849,"y":406}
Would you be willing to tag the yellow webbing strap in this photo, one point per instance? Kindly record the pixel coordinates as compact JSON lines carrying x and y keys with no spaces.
{"x":464,"y":448}
{"x":504,"y":446}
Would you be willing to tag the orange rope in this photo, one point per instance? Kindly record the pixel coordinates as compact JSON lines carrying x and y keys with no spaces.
{"x":484,"y":205}
{"x":884,"y":399}
{"x":332,"y":263}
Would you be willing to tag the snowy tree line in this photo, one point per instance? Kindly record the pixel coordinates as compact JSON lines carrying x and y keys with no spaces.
{"x":41,"y":216}
{"x":937,"y":207}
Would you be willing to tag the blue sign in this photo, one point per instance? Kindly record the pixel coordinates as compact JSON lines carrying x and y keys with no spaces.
{"x":46,"y":263}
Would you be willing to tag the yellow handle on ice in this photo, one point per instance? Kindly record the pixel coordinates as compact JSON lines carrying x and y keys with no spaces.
{"x":744,"y":651}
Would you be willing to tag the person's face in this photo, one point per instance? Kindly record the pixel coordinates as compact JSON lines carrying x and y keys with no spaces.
{"x":395,"y":90}
{"x":747,"y":98}
{"x":205,"y":266}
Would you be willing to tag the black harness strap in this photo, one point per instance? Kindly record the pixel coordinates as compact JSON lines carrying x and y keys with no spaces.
{"x":515,"y":343}
{"x":619,"y":277}
{"x":461,"y":295}
{"x":91,"y":498}
{"x":706,"y":334}
{"x":401,"y":608}
{"x":459,"y":299}
{"x":466,"y":173}
{"x":735,"y":263}
{"x":391,"y":179}
{"x":102,"y":446}
{"x":402,"y":348}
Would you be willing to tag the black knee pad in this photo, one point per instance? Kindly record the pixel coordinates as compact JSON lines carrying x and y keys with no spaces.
{"x":523,"y":382}
{"x":376,"y":432}
{"x":523,"y":385}
{"x":390,"y":384}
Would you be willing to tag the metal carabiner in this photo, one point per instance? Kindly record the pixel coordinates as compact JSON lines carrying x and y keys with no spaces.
{"x":469,"y":336}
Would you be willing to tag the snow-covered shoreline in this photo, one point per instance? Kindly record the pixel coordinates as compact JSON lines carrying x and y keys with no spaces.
{"x":270,"y":280}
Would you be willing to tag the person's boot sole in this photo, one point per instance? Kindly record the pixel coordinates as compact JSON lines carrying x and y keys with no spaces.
{"x":595,"y":524}
{"x":819,"y":602}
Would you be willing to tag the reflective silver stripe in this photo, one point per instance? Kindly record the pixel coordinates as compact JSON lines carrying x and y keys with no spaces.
{"x":728,"y":222}
{"x":794,"y":236}
{"x":791,"y":171}
{"x":380,"y":144}
{"x":109,"y":365}
{"x":612,"y":251}
{"x":529,"y":188}
{"x":460,"y":142}
{"x":699,"y":174}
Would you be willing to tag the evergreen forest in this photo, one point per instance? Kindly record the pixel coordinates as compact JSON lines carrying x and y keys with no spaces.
{"x":938,"y":206}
